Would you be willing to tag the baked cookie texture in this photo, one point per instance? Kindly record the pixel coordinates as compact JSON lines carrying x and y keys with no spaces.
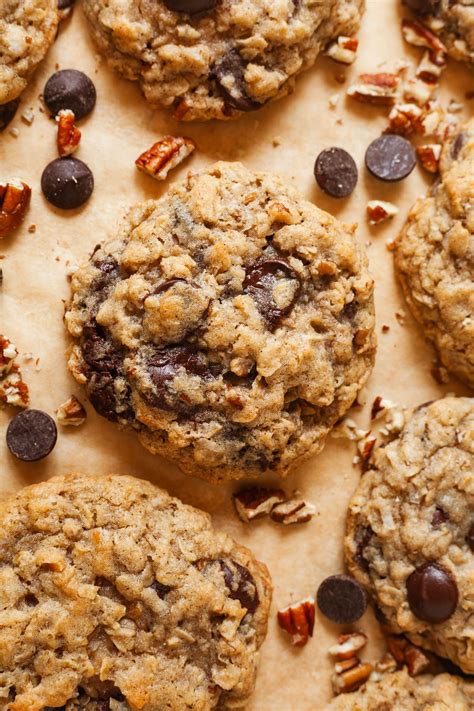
{"x":434,"y":257}
{"x":217,"y":64}
{"x":231,"y":323}
{"x":453,"y":22}
{"x":415,"y":506}
{"x":116,"y":595}
{"x":401,"y":692}
{"x":27,"y":30}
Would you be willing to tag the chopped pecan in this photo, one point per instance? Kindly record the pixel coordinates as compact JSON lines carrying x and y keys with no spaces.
{"x":378,"y":211}
{"x":293,"y":511}
{"x":15,"y":196}
{"x":256,"y":502}
{"x":418,"y":35}
{"x":366,"y":447}
{"x":404,"y":119}
{"x":345,"y":664}
{"x":71,"y":413}
{"x":164,"y":155}
{"x":298,"y":620}
{"x":429,"y":156}
{"x":8,"y":353}
{"x":416,"y":91}
{"x":13,"y":389}
{"x":408,"y":654}
{"x":351,"y":679}
{"x":69,"y":135}
{"x":387,"y":663}
{"x":348,"y":645}
{"x":431,"y":67}
{"x":381,"y":88}
{"x":343,"y":50}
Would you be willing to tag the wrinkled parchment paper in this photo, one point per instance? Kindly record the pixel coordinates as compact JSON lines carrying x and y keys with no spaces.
{"x":35,"y":267}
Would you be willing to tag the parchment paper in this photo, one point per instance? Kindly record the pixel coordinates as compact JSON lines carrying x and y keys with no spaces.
{"x":35,"y":283}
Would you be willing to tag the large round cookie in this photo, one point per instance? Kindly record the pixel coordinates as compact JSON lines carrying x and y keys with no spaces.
{"x":112,"y":589}
{"x":401,"y":692}
{"x":27,"y":30}
{"x":410,"y":530}
{"x":453,"y":22}
{"x":232,"y":57}
{"x":434,"y":258}
{"x":230,"y":323}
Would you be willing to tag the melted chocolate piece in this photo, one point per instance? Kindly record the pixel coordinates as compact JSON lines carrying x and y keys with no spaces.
{"x":160,"y":589}
{"x":166,"y":285}
{"x":240,"y":584}
{"x":423,"y":7}
{"x":110,"y":271}
{"x":470,"y":538}
{"x":432,"y":593}
{"x":191,"y":7}
{"x":234,"y":92}
{"x":363,"y":536}
{"x":259,"y":282}
{"x":440,"y":516}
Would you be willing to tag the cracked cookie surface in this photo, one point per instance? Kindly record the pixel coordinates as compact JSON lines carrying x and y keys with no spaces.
{"x":116,"y":595}
{"x":27,"y":30}
{"x":401,"y":692}
{"x":230,"y":323}
{"x":233,"y":58}
{"x":410,"y":530}
{"x":434,"y":258}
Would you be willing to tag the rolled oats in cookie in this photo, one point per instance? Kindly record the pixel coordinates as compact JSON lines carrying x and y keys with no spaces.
{"x":409,"y":530}
{"x":400,"y":692}
{"x":453,"y":22}
{"x":216,"y":59}
{"x":27,"y":30}
{"x":231,"y":323}
{"x":434,"y":257}
{"x":116,"y":595}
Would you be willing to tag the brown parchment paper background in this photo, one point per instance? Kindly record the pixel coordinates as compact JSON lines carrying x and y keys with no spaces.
{"x":35,"y":284}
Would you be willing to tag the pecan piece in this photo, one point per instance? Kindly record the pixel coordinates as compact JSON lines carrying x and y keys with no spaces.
{"x":256,"y":502}
{"x":351,"y":679}
{"x":164,"y":155}
{"x":343,"y":50}
{"x":298,"y":620}
{"x":71,"y":413}
{"x":15,"y":196}
{"x":429,"y":156}
{"x":348,"y":645}
{"x":431,"y":67}
{"x":381,"y":88}
{"x":418,"y":35}
{"x":293,"y":511}
{"x":378,"y":211}
{"x":404,"y":119}
{"x":69,"y":135}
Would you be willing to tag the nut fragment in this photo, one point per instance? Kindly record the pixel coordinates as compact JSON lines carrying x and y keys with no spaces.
{"x":348,"y":645}
{"x":418,"y":35}
{"x":343,"y":50}
{"x":71,"y":412}
{"x":298,"y":620}
{"x":381,"y":88}
{"x":341,"y":667}
{"x":68,"y":134}
{"x":293,"y":511}
{"x":404,"y":119}
{"x":13,"y":390}
{"x":378,"y":211}
{"x":386,"y":664}
{"x":164,"y":155}
{"x":256,"y":502}
{"x":408,"y":654}
{"x":8,"y":353}
{"x":429,"y":156}
{"x":352,"y":679}
{"x":431,"y":67}
{"x":15,"y":197}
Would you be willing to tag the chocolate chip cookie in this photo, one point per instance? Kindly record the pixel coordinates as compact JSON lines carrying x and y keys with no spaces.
{"x":401,"y":692}
{"x":231,"y":323}
{"x":116,"y":595}
{"x":216,"y":58}
{"x":410,"y":530}
{"x":434,"y":257}
{"x":453,"y":22}
{"x":27,"y":30}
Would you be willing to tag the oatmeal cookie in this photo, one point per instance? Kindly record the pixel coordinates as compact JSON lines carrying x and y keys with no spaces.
{"x":453,"y":22}
{"x":216,"y":58}
{"x":27,"y":30}
{"x":434,"y":258}
{"x":230,"y":322}
{"x":401,"y":692}
{"x":410,"y":530}
{"x":116,"y":595}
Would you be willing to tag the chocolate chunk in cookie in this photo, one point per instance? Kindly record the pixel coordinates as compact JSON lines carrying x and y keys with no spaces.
{"x":228,"y":73}
{"x":432,"y":593}
{"x":191,"y":7}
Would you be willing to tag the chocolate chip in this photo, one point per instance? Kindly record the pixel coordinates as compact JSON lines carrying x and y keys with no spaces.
{"x":110,"y":271}
{"x":191,"y":7}
{"x":65,"y":4}
{"x":164,"y":366}
{"x":440,"y":516}
{"x":67,"y":183}
{"x":31,"y":435}
{"x":70,"y":89}
{"x":341,"y":599}
{"x":228,"y":73}
{"x":241,"y":584}
{"x":167,"y":285}
{"x":336,"y":172}
{"x":470,"y":538}
{"x":432,"y":593}
{"x":457,"y":145}
{"x":423,"y":7}
{"x":261,"y":279}
{"x":363,"y":536}
{"x":7,"y":112}
{"x":160,"y":589}
{"x":390,"y":157}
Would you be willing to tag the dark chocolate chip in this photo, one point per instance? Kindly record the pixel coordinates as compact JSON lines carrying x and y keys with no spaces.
{"x":67,"y":183}
{"x":241,"y":584}
{"x":439,"y":517}
{"x":470,"y":538}
{"x":167,"y":285}
{"x":191,"y":7}
{"x":110,"y":271}
{"x":7,"y":112}
{"x":164,"y":366}
{"x":260,"y":281}
{"x":70,"y":89}
{"x":423,"y":7}
{"x":390,"y":157}
{"x":336,"y":172}
{"x":457,"y":145}
{"x":228,"y":73}
{"x":341,"y":599}
{"x":432,"y":593}
{"x":65,"y":4}
{"x":160,"y":589}
{"x":31,"y":435}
